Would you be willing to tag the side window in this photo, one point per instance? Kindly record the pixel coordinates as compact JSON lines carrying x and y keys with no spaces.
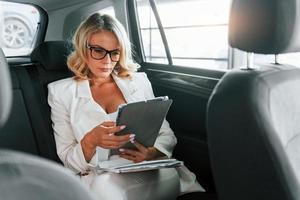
{"x":288,"y":58}
{"x":154,"y":49}
{"x":196,"y":32}
{"x":18,"y":28}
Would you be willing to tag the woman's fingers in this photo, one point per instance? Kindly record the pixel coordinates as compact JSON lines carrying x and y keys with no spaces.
{"x":140,"y":147}
{"x":142,"y":153}
{"x":118,"y":138}
{"x":132,"y":153}
{"x":108,"y":124}
{"x":121,"y":138}
{"x":134,"y":157}
{"x":128,"y":157}
{"x":113,"y":141}
{"x":113,"y":144}
{"x":105,"y":135}
{"x":115,"y":129}
{"x":109,"y":127}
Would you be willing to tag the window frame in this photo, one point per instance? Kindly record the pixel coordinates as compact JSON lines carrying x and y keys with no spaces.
{"x":40,"y":34}
{"x":139,"y":53}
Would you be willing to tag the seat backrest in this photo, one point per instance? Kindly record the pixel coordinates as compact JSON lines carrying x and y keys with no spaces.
{"x":19,"y":132}
{"x":23,"y":176}
{"x":50,"y":64}
{"x":28,"y":128}
{"x":253,"y":115}
{"x":5,"y":90}
{"x":50,"y":60}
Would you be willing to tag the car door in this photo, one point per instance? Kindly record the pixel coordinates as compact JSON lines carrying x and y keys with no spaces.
{"x":184,"y":57}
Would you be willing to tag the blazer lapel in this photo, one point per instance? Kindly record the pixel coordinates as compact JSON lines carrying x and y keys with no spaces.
{"x":130,"y":89}
{"x":90,"y":114}
{"x":86,"y":113}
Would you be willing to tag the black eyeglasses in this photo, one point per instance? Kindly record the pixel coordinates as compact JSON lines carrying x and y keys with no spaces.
{"x":98,"y":53}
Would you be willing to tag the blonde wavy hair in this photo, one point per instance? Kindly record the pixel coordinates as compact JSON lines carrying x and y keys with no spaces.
{"x":96,"y":23}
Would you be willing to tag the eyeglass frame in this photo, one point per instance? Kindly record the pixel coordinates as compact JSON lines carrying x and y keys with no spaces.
{"x":91,"y":48}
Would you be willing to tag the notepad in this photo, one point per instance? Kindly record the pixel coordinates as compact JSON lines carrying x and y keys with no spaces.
{"x":144,"y":119}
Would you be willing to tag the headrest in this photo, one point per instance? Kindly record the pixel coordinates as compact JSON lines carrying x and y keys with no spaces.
{"x":52,"y":54}
{"x":5,"y":90}
{"x":265,"y":26}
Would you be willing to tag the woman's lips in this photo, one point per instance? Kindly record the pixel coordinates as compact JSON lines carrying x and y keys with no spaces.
{"x":104,"y":69}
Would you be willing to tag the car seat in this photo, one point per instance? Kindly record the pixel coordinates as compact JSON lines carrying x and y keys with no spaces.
{"x":253,"y":115}
{"x":23,"y":176}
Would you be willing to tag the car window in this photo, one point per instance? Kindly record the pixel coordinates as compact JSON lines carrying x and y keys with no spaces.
{"x":18,"y":28}
{"x":288,"y":58}
{"x":153,"y":46}
{"x":196,"y":31}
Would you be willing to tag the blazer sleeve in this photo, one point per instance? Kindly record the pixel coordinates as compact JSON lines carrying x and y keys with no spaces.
{"x":166,"y":139}
{"x":68,"y":149}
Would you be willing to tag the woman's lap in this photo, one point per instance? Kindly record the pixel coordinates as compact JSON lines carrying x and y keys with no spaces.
{"x":154,"y":185}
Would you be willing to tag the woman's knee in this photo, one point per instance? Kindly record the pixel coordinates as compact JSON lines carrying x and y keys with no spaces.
{"x":155,"y":184}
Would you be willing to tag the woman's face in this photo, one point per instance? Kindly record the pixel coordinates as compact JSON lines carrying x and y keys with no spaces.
{"x":103,"y":54}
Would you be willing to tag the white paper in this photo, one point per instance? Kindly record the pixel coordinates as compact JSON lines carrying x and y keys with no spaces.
{"x":120,"y":165}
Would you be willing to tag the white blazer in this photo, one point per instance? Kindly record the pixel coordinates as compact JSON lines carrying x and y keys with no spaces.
{"x":74,"y":113}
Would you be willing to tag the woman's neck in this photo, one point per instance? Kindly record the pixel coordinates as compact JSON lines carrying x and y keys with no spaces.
{"x":100,"y":81}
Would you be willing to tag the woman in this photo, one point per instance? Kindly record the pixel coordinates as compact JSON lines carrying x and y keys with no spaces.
{"x":83,"y":108}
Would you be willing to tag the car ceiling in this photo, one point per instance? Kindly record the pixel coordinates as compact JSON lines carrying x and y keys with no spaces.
{"x":50,"y":5}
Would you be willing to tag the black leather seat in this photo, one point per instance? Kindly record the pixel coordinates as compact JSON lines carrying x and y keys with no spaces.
{"x":253,"y":115}
{"x":23,"y":176}
{"x":28,"y":128}
{"x":50,"y":64}
{"x":50,"y":59}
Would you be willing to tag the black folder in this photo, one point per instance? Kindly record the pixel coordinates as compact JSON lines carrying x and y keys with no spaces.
{"x":144,"y":119}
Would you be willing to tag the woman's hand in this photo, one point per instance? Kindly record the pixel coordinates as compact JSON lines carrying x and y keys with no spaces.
{"x":103,"y":136}
{"x":141,"y":154}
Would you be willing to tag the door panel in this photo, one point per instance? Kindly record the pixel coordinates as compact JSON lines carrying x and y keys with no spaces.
{"x":187,"y":115}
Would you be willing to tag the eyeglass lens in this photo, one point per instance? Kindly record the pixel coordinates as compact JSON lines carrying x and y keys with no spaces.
{"x":99,"y":53}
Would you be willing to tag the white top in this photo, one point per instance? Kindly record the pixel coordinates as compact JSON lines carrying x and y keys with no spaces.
{"x":74,"y":113}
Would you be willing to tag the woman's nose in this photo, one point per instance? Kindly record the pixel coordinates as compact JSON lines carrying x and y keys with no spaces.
{"x":107,"y":58}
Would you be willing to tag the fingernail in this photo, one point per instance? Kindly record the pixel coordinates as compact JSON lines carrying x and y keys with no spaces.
{"x":132,"y":140}
{"x":132,"y":136}
{"x":123,"y":126}
{"x":121,"y":150}
{"x":111,"y":134}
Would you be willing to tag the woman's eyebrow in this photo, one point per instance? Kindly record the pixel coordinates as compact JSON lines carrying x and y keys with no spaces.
{"x":95,"y":45}
{"x":100,"y":47}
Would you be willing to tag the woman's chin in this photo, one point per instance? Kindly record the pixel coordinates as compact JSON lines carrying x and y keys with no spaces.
{"x":103,"y":74}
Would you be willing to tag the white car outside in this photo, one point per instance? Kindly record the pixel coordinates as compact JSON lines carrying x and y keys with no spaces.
{"x":18,"y":26}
